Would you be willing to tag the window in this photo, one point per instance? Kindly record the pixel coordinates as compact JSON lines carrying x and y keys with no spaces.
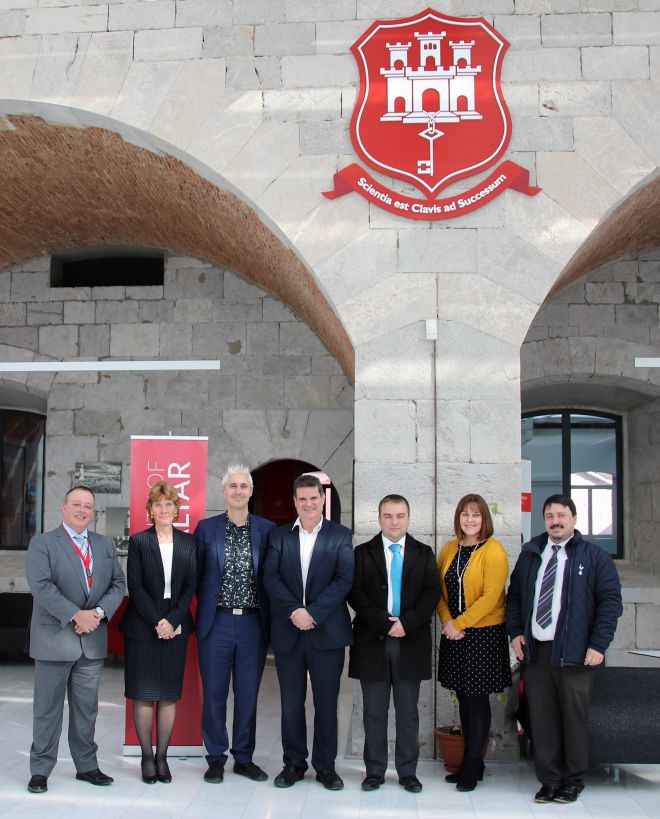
{"x":107,"y":268}
{"x":578,"y":454}
{"x":21,"y":477}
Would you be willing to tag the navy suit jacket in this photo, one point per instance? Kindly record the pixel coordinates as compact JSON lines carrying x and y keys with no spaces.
{"x":329,"y":581}
{"x":210,"y":538}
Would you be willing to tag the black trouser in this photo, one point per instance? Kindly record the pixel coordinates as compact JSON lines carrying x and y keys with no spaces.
{"x":558,"y":698}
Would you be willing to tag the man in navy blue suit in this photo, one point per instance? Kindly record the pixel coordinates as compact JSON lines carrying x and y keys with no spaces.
{"x":233,"y":621}
{"x":308,"y":573}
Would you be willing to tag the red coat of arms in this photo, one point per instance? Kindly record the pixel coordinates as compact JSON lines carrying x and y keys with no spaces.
{"x":430,"y":111}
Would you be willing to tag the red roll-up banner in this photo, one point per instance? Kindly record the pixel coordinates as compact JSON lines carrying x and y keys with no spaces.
{"x":182,"y":462}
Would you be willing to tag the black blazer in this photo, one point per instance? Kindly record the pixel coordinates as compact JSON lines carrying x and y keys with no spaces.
{"x":420,"y":592}
{"x":146,"y":585}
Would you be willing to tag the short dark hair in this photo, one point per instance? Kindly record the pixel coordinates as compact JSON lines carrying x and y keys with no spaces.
{"x":309,"y":481}
{"x":562,"y":500}
{"x":79,"y":486}
{"x":487,"y":528}
{"x":393,"y":499}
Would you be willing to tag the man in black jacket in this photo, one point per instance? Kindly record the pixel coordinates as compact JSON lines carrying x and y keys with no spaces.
{"x":562,"y":608}
{"x":396,"y":588}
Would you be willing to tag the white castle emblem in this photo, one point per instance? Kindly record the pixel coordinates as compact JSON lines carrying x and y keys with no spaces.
{"x":413,"y":92}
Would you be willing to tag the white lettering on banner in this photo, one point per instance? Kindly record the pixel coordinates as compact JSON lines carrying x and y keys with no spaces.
{"x":464,"y":203}
{"x":179,"y":475}
{"x":369,"y":188}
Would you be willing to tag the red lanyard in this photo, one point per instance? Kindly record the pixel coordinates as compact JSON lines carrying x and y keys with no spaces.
{"x":86,"y":559}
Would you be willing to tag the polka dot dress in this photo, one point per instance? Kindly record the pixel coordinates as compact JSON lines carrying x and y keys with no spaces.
{"x":479,"y":663}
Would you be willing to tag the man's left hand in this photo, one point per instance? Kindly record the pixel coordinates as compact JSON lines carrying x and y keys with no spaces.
{"x":396,"y":629}
{"x":302,"y":619}
{"x":593,"y":657}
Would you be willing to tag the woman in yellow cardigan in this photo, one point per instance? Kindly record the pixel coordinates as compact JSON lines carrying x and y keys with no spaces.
{"x":474,"y":650}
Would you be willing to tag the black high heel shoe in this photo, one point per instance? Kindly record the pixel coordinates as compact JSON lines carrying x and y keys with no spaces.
{"x":163,"y":769}
{"x":471,"y":773}
{"x":148,"y":767}
{"x":456,"y":776}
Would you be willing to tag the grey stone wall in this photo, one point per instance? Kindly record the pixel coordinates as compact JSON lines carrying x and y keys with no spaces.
{"x":279,"y":394}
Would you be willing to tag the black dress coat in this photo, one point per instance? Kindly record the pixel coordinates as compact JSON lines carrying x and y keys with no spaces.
{"x":420,"y":592}
{"x":146,"y":585}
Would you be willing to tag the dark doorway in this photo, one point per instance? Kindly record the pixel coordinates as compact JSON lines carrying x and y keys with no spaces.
{"x":273,"y":493}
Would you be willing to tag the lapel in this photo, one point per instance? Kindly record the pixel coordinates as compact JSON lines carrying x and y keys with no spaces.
{"x":177,"y":562}
{"x":292,"y":548}
{"x":377,"y":556}
{"x":255,"y":542}
{"x":320,"y":546}
{"x":66,"y":546}
{"x":220,"y":536}
{"x":409,"y":558}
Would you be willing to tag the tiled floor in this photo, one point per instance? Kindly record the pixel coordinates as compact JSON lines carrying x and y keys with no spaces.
{"x":505,"y":792}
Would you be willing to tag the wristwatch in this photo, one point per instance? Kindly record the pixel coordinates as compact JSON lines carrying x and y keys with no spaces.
{"x":100,"y":612}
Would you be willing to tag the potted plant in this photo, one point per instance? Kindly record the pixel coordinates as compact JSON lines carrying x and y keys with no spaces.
{"x":450,"y":739}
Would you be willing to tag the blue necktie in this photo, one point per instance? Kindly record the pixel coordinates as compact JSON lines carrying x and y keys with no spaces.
{"x":81,"y":540}
{"x":396,"y":573}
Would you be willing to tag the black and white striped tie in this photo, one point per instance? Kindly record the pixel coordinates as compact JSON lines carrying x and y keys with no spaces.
{"x":544,"y":607}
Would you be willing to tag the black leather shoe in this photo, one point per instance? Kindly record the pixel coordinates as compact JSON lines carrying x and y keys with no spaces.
{"x":410,"y":783}
{"x":567,"y":793}
{"x":95,"y":777}
{"x":38,"y":784}
{"x":330,"y":779}
{"x":250,"y":770}
{"x":289,"y":776}
{"x":456,"y":776}
{"x":546,"y":794}
{"x":372,"y":783}
{"x":148,"y":768}
{"x":163,"y":769}
{"x":215,"y":773}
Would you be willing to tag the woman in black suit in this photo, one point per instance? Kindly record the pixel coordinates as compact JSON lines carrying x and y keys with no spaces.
{"x":156,"y":625}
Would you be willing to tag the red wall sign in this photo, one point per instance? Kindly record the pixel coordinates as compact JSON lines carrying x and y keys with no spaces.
{"x":430,"y":111}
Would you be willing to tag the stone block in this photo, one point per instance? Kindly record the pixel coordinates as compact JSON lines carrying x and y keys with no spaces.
{"x":378,"y":422}
{"x":241,"y":74}
{"x":197,"y":89}
{"x":147,"y":292}
{"x":138,"y":15}
{"x":25,"y":338}
{"x":249,"y":436}
{"x":547,"y":64}
{"x":172,"y":389}
{"x":316,"y":11}
{"x":405,"y":352}
{"x":591,"y":317}
{"x":648,"y":626}
{"x":59,"y":341}
{"x":208,"y":418}
{"x":641,"y":28}
{"x":192,"y":311}
{"x":117,"y":293}
{"x":325,"y":433}
{"x":260,"y":392}
{"x":144,"y":89}
{"x":303,"y":104}
{"x":168,"y":44}
{"x":274,"y":310}
{"x":318,"y":71}
{"x":582,"y":351}
{"x":176,"y":341}
{"x":222,"y":391}
{"x":215,"y":340}
{"x":114,"y":312}
{"x":324,"y":137}
{"x":282,"y":39}
{"x":263,"y":338}
{"x":228,"y":41}
{"x":66,"y":397}
{"x":66,"y":19}
{"x":287,"y":429}
{"x":624,"y":636}
{"x":636,"y":104}
{"x":364,"y":262}
{"x":560,"y":30}
{"x":269,"y":72}
{"x":18,"y":61}
{"x":79,"y":312}
{"x":294,"y":194}
{"x":204,"y":13}
{"x":413,"y":480}
{"x":258,"y":12}
{"x":60,"y":422}
{"x":134,"y":340}
{"x":442,"y":251}
{"x":604,"y":293}
{"x":28,"y":286}
{"x":307,"y":392}
{"x":521,"y":98}
{"x":263,"y":158}
{"x":63,"y":452}
{"x":337,"y":37}
{"x":5,"y":286}
{"x":12,"y":22}
{"x":331,"y":225}
{"x":107,"y":60}
{"x":156,"y":312}
{"x":297,"y":338}
{"x":522,"y":31}
{"x":494,"y":432}
{"x":575,"y":99}
{"x":95,"y":422}
{"x":539,"y":133}
{"x":646,"y":293}
{"x":342,"y":395}
{"x":182,"y":281}
{"x":637,"y":314}
{"x":94,"y":341}
{"x":552,"y":315}
{"x":49,"y":312}
{"x":325,"y":365}
{"x":235,"y":312}
{"x":612,"y":152}
{"x":239,"y":289}
{"x":615,"y":63}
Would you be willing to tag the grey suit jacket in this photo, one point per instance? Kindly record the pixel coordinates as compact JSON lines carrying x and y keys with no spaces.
{"x":57,"y":582}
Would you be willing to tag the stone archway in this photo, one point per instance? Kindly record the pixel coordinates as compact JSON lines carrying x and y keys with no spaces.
{"x":85,"y":185}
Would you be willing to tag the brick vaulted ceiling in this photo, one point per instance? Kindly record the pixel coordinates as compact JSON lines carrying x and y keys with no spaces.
{"x":65,"y":188}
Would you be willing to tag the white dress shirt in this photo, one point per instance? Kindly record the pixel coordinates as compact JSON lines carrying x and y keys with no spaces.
{"x":548,"y":633}
{"x":388,"y":563}
{"x":166,"y":553}
{"x":307,"y":542}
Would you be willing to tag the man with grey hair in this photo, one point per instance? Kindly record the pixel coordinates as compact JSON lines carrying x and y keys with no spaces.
{"x":233,"y":623}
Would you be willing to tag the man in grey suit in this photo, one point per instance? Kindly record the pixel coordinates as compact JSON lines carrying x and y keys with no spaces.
{"x":77,"y":585}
